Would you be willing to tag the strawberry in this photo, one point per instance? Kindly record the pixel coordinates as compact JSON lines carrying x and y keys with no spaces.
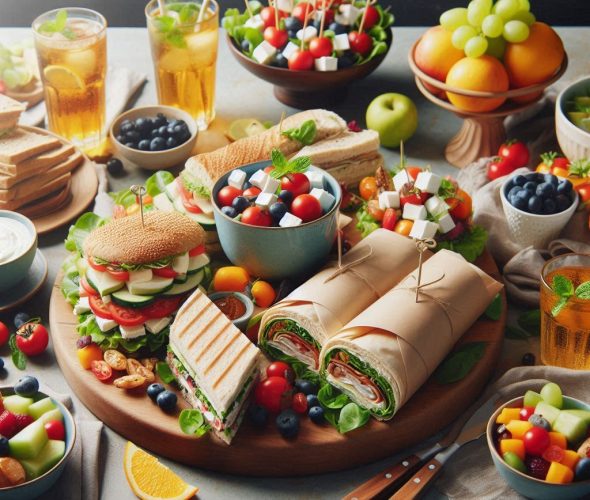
{"x":8,"y":424}
{"x":22,"y":421}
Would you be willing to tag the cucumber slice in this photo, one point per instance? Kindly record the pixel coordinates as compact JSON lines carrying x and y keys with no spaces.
{"x":156,"y":285}
{"x":197,"y":262}
{"x":103,"y":283}
{"x":192,"y":282}
{"x":205,"y":221}
{"x":180,"y":278}
{"x":172,"y":191}
{"x":127,"y":299}
{"x":162,"y":202}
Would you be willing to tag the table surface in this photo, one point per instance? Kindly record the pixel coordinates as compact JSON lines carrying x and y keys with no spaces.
{"x":240,"y":94}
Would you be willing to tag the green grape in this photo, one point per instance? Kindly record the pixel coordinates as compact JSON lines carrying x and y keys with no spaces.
{"x":453,"y":18}
{"x":515,"y":31}
{"x":11,"y":78}
{"x":551,"y":394}
{"x":461,"y":35}
{"x":526,"y":17}
{"x":476,"y":46}
{"x":496,"y":47}
{"x":492,"y":25}
{"x":524,"y":5}
{"x":476,"y":12}
{"x":487,"y":4}
{"x":506,"y":8}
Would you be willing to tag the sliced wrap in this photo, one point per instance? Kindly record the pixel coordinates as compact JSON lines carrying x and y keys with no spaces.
{"x":387,"y":352}
{"x":296,"y":328}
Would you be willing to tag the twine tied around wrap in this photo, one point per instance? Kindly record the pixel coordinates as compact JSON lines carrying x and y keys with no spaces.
{"x":139,"y":191}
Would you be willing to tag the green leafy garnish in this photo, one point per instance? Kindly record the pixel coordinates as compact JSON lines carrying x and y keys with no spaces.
{"x":339,"y":411}
{"x":470,"y":244}
{"x":192,"y":422}
{"x":516,"y":333}
{"x":583,"y":291}
{"x":78,"y":232}
{"x":304,"y":134}
{"x":191,"y":185}
{"x":352,"y":416}
{"x":459,"y":363}
{"x":164,"y":372}
{"x":530,"y":321}
{"x":580,"y":167}
{"x":332,"y":398}
{"x":58,"y":25}
{"x":302,"y":371}
{"x":18,"y":357}
{"x":365,"y":223}
{"x":494,"y":310}
{"x":283,"y":167}
{"x":156,"y":183}
{"x":447,"y":189}
{"x":563,"y":287}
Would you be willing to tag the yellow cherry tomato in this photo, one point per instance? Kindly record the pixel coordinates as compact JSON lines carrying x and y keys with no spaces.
{"x":230,"y":279}
{"x":88,"y":354}
{"x":404,"y":227}
{"x":263,"y":294}
{"x":132,"y":209}
{"x":368,"y":188}
{"x":560,"y":172}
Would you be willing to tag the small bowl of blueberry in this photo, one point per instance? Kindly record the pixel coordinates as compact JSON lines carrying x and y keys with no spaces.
{"x":537,"y":207}
{"x":154,"y":137}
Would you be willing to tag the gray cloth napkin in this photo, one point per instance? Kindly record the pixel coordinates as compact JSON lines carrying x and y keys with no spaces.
{"x":470,"y":473}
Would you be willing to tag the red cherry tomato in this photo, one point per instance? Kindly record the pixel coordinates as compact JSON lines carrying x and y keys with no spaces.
{"x":161,"y":308}
{"x":371,"y":17}
{"x":306,"y":207}
{"x":413,"y":172}
{"x":460,"y":205}
{"x":536,"y":441}
{"x":280,"y":369}
{"x":251,"y":191}
{"x":101,"y":370}
{"x":4,"y":333}
{"x":299,"y":403}
{"x":97,"y":267}
{"x":268,"y":16}
{"x":227,"y":194}
{"x":191,"y":207}
{"x":268,"y":169}
{"x":361,"y":43}
{"x":99,"y":308}
{"x":274,"y":394}
{"x":526,"y":412}
{"x":301,"y":60}
{"x":255,"y":216}
{"x":55,"y":430}
{"x":164,"y":272}
{"x":553,"y":454}
{"x":86,"y":286}
{"x":297,"y":183}
{"x":32,"y":338}
{"x":560,"y":164}
{"x":329,"y":15}
{"x":301,"y":10}
{"x":584,"y":192}
{"x":118,"y":273}
{"x":126,"y":316}
{"x":515,"y":152}
{"x":389,"y":219}
{"x":320,"y":47}
{"x":499,"y":167}
{"x":198,"y":250}
{"x":276,"y":37}
{"x":412,"y":195}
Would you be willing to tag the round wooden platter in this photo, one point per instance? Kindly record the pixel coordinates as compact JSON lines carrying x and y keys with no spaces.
{"x":253,"y":452}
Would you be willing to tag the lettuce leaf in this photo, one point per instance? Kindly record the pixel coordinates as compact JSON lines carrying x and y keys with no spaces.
{"x":470,"y":244}
{"x":364,"y":222}
{"x":71,"y":280}
{"x":78,"y":232}
{"x":156,"y":183}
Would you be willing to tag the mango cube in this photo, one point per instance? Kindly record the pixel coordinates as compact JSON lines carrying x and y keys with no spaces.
{"x":29,"y":442}
{"x":40,"y":407}
{"x":558,"y":439}
{"x":514,"y":445}
{"x":17,"y":404}
{"x":559,"y":474}
{"x":51,"y":453}
{"x":570,"y":459}
{"x":508,"y":414}
{"x":518,"y":428}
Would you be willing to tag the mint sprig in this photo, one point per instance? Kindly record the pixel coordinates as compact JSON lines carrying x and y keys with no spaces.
{"x":166,"y":26}
{"x":563,"y":287}
{"x":305,"y":134}
{"x":283,"y":167}
{"x":58,"y":25}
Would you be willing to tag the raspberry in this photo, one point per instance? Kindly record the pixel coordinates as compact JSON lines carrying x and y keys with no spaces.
{"x":22,"y":421}
{"x":353,"y":126}
{"x":8,"y":424}
{"x":537,"y":467}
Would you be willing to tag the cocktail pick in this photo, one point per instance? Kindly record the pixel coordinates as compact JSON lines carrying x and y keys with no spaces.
{"x":276,"y":9}
{"x":139,"y":191}
{"x":362,"y":25}
{"x":248,"y":9}
{"x":204,"y":8}
{"x":305,"y":19}
{"x":323,"y":19}
{"x":422,"y":246}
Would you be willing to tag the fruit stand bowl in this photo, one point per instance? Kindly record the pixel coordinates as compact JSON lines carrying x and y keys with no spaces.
{"x":482,"y":132}
{"x":308,"y":89}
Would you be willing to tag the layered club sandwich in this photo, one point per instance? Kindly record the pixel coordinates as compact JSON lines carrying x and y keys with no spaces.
{"x":214,"y":363}
{"x":135,"y":276}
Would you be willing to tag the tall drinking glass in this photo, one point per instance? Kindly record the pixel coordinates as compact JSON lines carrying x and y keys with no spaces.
{"x":565,"y":312}
{"x":184,"y":51}
{"x":72,"y":52}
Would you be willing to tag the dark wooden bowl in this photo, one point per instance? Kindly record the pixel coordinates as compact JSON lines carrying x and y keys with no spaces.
{"x":308,"y":89}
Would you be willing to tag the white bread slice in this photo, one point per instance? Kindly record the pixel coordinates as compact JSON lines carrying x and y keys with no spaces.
{"x":22,"y":144}
{"x":43,"y":160}
{"x":49,"y":203}
{"x":206,"y":168}
{"x":38,"y":175}
{"x":49,"y":187}
{"x":10,"y":111}
{"x":350,"y":172}
{"x":345,"y":146}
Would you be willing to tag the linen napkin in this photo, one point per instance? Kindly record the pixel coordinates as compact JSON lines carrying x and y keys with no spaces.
{"x":470,"y":473}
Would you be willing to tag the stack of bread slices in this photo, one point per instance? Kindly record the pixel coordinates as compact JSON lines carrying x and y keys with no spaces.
{"x":35,"y":167}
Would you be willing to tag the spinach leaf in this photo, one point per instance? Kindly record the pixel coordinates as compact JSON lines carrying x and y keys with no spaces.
{"x":494,"y":310}
{"x":192,"y":422}
{"x":459,"y":363}
{"x":332,"y":398}
{"x":164,"y":372}
{"x":18,"y":357}
{"x":470,"y":244}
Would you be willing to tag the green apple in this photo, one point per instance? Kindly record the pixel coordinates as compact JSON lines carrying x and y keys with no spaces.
{"x":394,"y":117}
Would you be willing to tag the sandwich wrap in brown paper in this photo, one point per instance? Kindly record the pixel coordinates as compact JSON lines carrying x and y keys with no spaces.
{"x":405,"y":340}
{"x":331,"y":298}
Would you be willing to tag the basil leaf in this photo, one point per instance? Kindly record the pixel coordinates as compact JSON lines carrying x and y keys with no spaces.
{"x":515,"y":332}
{"x":352,"y":416}
{"x":494,"y":310}
{"x":531,"y":322}
{"x":459,"y":363}
{"x":583,"y":291}
{"x":332,"y":398}
{"x":164,"y":372}
{"x":47,"y":27}
{"x":557,"y":308}
{"x":305,"y":134}
{"x":562,"y":286}
{"x":18,"y":357}
{"x":470,"y":244}
{"x":192,"y":422}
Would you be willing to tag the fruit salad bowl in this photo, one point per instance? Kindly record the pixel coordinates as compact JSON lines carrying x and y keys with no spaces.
{"x":309,"y":89}
{"x":482,"y":132}
{"x":573,"y":140}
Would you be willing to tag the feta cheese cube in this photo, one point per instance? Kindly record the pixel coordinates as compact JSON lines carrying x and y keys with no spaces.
{"x":284,"y":5}
{"x":82,"y":306}
{"x":326,"y":199}
{"x":236,"y":178}
{"x":271,"y":185}
{"x":388,"y":199}
{"x":446,"y":224}
{"x":289,"y":220}
{"x":436,"y":206}
{"x":347,"y":14}
{"x":265,"y":200}
{"x":341,"y":42}
{"x":255,"y":22}
{"x":155,"y":326}
{"x":132,"y":332}
{"x":258,"y":178}
{"x":428,"y":182}
{"x":414,"y":212}
{"x":290,"y":49}
{"x":400,"y":179}
{"x":105,"y":324}
{"x":264,"y":52}
{"x":316,"y":179}
{"x":326,"y":64}
{"x":423,"y":229}
{"x":180,"y":263}
{"x":310,"y":32}
{"x":140,"y":276}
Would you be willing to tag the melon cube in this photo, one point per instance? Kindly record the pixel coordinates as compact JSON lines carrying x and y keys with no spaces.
{"x":17,"y":404}
{"x":570,"y":459}
{"x":558,"y":439}
{"x":584,"y":414}
{"x":51,"y":453}
{"x":518,"y":428}
{"x":514,"y":445}
{"x":29,"y":442}
{"x":40,"y":407}
{"x":571,"y":426}
{"x":51,"y":415}
{"x":508,"y":414}
{"x":532,"y":398}
{"x":559,"y":474}
{"x":548,"y":412}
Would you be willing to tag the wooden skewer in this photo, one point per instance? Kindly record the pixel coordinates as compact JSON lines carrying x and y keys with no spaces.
{"x":362,"y":25}
{"x":248,"y":9}
{"x":305,"y":19}
{"x":323,"y":19}
{"x":276,"y":9}
{"x":204,"y":8}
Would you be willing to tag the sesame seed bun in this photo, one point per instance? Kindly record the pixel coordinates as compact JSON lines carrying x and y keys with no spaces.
{"x":126,"y":241}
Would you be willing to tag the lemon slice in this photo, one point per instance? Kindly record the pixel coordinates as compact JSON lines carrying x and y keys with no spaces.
{"x":61,"y":77}
{"x":244,"y":127}
{"x":150,"y":480}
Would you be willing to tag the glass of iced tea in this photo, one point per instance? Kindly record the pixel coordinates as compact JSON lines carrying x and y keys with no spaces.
{"x":72,"y":52}
{"x":565,"y":312}
{"x":184,"y":50}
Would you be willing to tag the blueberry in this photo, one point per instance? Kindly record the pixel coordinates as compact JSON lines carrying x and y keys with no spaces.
{"x":316,"y":414}
{"x":154,"y":390}
{"x":564,"y":187}
{"x":277,"y":211}
{"x":288,"y":423}
{"x":229,"y":211}
{"x":293,"y":24}
{"x":115,"y":166}
{"x":131,"y":145}
{"x":563,"y":202}
{"x":154,"y":133}
{"x":171,"y":142}
{"x":166,"y":400}
{"x":143,"y":126}
{"x":144,"y":145}
{"x":292,"y":33}
{"x":126,"y":126}
{"x":258,"y":415}
{"x":535,"y":204}
{"x":518,"y":202}
{"x":240,"y":204}
{"x":4,"y":448}
{"x":83,"y":341}
{"x":280,"y":61}
{"x":513,"y":192}
{"x":583,"y":469}
{"x":535,"y":177}
{"x":549,"y":206}
{"x":509,"y":185}
{"x":346,"y":60}
{"x":528,"y":359}
{"x":551,"y":179}
{"x":305,"y":386}
{"x":120,"y":138}
{"x":133,"y":136}
{"x":245,"y":45}
{"x":172,"y":123}
{"x":20,"y":319}
{"x":545,"y":190}
{"x":520,"y":180}
{"x":539,"y":421}
{"x":160,"y":120}
{"x":312,"y":400}
{"x":163,"y":131}
{"x":27,"y":386}
{"x":1,"y":364}
{"x":524,"y":195}
{"x":530,"y":186}
{"x":337,"y":28}
{"x":286,"y":196}
{"x":170,"y":130}
{"x":157,"y":144}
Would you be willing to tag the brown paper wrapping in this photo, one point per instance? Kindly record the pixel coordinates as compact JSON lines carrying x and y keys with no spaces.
{"x":405,"y":340}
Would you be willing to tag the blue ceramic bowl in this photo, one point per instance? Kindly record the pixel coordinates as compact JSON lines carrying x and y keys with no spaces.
{"x":277,"y":252}
{"x":242,"y":321}
{"x":37,"y":487}
{"x":527,"y":485}
{"x":14,"y":270}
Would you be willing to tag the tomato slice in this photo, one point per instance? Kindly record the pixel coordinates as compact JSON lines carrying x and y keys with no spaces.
{"x":86,"y":286}
{"x":97,"y":267}
{"x":99,"y":308}
{"x":197,"y":251}
{"x":164,"y":272}
{"x":126,"y":316}
{"x":118,"y":273}
{"x":101,"y":370}
{"x":193,"y":209}
{"x":161,"y":308}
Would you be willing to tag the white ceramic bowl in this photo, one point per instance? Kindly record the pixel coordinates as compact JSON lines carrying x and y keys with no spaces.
{"x":16,"y":268}
{"x":574,"y":142}
{"x":533,"y":229}
{"x":155,"y":160}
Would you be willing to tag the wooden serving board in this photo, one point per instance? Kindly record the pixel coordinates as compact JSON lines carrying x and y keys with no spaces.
{"x":256,"y":452}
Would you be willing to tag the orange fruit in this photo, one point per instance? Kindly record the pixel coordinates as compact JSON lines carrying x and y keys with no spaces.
{"x":484,"y":74}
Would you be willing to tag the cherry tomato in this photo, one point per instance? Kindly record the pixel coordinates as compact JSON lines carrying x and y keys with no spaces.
{"x":276,"y":37}
{"x":371,"y":17}
{"x":86,"y":286}
{"x":412,"y":195}
{"x":268,"y":169}
{"x":126,"y":316}
{"x":274,"y":394}
{"x":404,"y":227}
{"x":584,"y":193}
{"x":560,"y":172}
{"x":460,"y":205}
{"x":553,"y":454}
{"x":164,"y":272}
{"x":301,"y":10}
{"x":306,"y":207}
{"x":191,"y":207}
{"x":526,"y":412}
{"x":55,"y":430}
{"x":301,"y":60}
{"x":368,"y":188}
{"x":161,"y":308}
{"x":280,"y":369}
{"x":299,"y":403}
{"x":499,"y":167}
{"x":361,"y":43}
{"x":230,"y":279}
{"x":99,"y":308}
{"x":320,"y":47}
{"x":297,"y":183}
{"x":375,"y":211}
{"x":4,"y":334}
{"x":118,"y":273}
{"x":413,"y":172}
{"x":268,"y":16}
{"x":32,"y":338}
{"x":251,"y":191}
{"x":536,"y":441}
{"x":329,"y":16}
{"x":389,"y":219}
{"x":97,"y":267}
{"x":515,"y":152}
{"x":198,"y":250}
{"x":88,"y":354}
{"x":263,"y":293}
{"x":102,"y":370}
{"x":550,"y":160}
{"x":255,"y":216}
{"x":227,"y":194}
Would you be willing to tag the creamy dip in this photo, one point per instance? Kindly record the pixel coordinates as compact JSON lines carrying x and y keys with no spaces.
{"x":14,"y":239}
